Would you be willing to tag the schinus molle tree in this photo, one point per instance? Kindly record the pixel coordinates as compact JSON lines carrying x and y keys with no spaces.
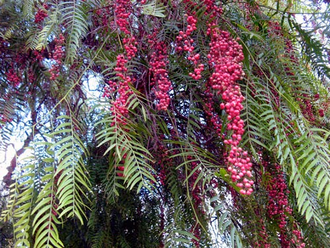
{"x":210,"y":126}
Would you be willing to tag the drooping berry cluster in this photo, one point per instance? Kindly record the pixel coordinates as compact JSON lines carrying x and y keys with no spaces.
{"x":186,"y":43}
{"x":297,"y":238}
{"x":306,"y":107}
{"x":122,"y":87}
{"x":278,"y":207}
{"x":311,"y":106}
{"x":57,"y":56}
{"x":120,"y":167}
{"x":130,"y":47}
{"x":13,"y":78}
{"x":184,"y":37}
{"x":225,"y":58}
{"x":119,"y":105}
{"x":158,"y":64}
{"x":325,"y":107}
{"x":212,"y":9}
{"x":41,"y":14}
{"x":38,"y":55}
{"x":305,"y":101}
{"x":122,"y":12}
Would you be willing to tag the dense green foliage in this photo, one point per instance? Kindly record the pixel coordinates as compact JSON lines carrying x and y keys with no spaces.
{"x":131,"y":116}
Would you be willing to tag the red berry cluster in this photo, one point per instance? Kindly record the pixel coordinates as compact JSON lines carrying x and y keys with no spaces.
{"x":297,"y":239}
{"x":121,"y":168}
{"x":38,"y":54}
{"x":240,"y":169}
{"x":13,"y":78}
{"x":31,"y":77}
{"x":184,"y":37}
{"x":41,"y":14}
{"x":191,"y":20}
{"x":278,"y":203}
{"x":290,"y":53}
{"x":278,"y":207}
{"x":122,"y":88}
{"x":325,"y":108}
{"x":185,"y":43}
{"x":122,"y":12}
{"x":164,"y":160}
{"x":225,"y":58}
{"x":130,"y":47}
{"x":321,"y":112}
{"x":274,"y":29}
{"x":196,"y":230}
{"x":306,"y":107}
{"x":197,"y":74}
{"x":119,"y":106}
{"x":158,"y":64}
{"x":57,"y":56}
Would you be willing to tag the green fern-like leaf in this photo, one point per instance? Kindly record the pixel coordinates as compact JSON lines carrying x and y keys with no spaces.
{"x":178,"y":236}
{"x":154,"y":9}
{"x":313,"y":152}
{"x":75,"y":19}
{"x":256,"y":132}
{"x":126,"y":145}
{"x":45,"y":213}
{"x":205,"y":163}
{"x":28,"y":8}
{"x":72,"y":183}
{"x":314,"y":50}
{"x":24,"y":204}
{"x":32,"y":41}
{"x":7,"y":213}
{"x":102,"y":239}
{"x":285,"y":150}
